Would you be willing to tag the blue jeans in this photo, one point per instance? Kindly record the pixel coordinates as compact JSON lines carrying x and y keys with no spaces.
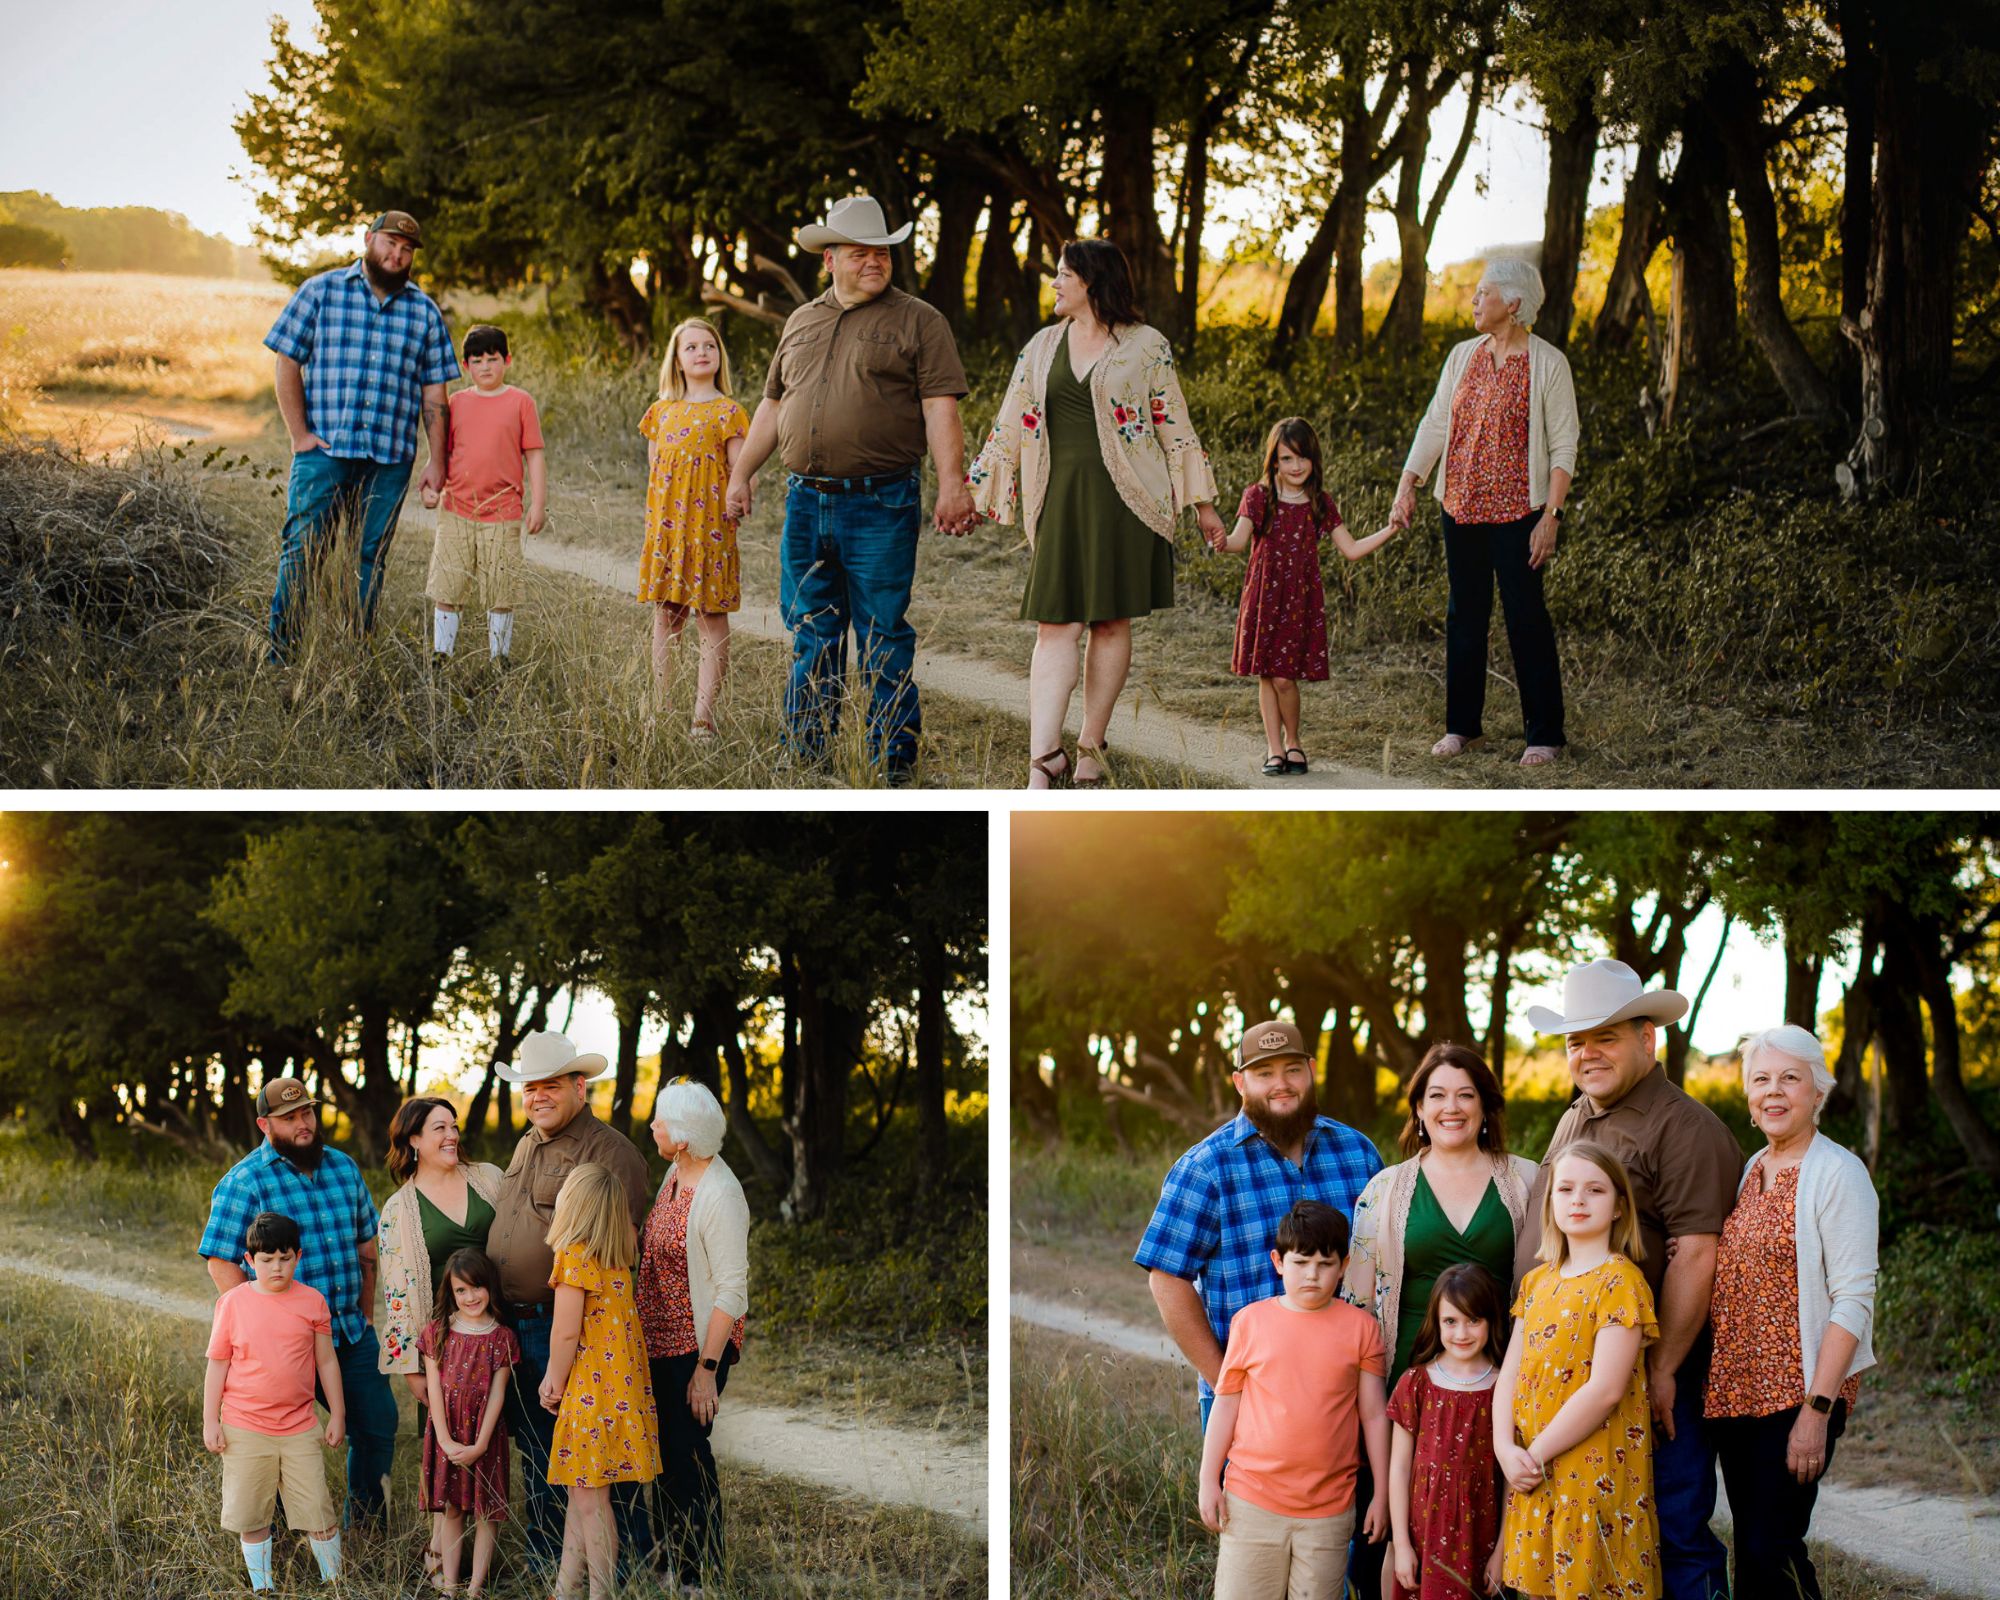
{"x":534,"y":1430}
{"x":849,"y":559}
{"x":1693,"y":1563}
{"x":371,"y":1428}
{"x":323,"y":490}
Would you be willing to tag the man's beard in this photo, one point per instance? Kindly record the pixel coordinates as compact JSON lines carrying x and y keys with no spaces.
{"x":1290,"y":1127}
{"x":381,"y":277}
{"x":306,"y":1158}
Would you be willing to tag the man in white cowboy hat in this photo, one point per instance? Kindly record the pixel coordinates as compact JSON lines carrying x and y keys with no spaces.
{"x":555,"y":1079}
{"x":1685,"y":1166}
{"x":864,"y":379}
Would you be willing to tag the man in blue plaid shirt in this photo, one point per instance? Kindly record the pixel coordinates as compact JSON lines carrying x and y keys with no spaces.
{"x":363,"y":355}
{"x":1207,"y":1250}
{"x":321,"y":1189}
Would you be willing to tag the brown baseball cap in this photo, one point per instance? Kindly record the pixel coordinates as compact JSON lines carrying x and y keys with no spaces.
{"x":281,"y":1095}
{"x":1269,"y":1040}
{"x":400,"y":223}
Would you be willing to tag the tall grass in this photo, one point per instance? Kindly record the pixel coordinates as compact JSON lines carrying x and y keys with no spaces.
{"x":105,"y":1487}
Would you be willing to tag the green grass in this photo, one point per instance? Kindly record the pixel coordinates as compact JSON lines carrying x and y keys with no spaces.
{"x":105,"y":1488}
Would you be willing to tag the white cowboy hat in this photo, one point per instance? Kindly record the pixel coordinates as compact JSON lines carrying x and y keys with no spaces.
{"x":856,"y":220}
{"x":1602,"y":992}
{"x":550,"y":1055}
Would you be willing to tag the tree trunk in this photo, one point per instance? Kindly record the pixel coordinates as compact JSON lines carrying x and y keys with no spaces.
{"x":371,"y":1105}
{"x":1857,"y":196}
{"x":1900,"y":1028}
{"x":1196,"y":166}
{"x":630,"y":1008}
{"x":1626,"y":300}
{"x":1975,"y":1134}
{"x":1496,"y":1024}
{"x":1034,"y":1099}
{"x":1698,"y":218}
{"x":764,"y":1161}
{"x":933,"y":1150}
{"x":1350,"y":1076}
{"x":1572,"y":156}
{"x":830,"y":1042}
{"x":1441,"y":944}
{"x":611,"y":293}
{"x":999,"y":282}
{"x":1734,"y":104}
{"x":1126,"y":189}
{"x":958,"y":202}
{"x":1305,"y":292}
{"x":1857,"y":1032}
{"x":1350,"y":237}
{"x":1403,"y":325}
{"x":1802,"y":975}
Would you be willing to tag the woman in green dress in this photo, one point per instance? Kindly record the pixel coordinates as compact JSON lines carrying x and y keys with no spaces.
{"x":1092,"y":444}
{"x":1457,"y":1197}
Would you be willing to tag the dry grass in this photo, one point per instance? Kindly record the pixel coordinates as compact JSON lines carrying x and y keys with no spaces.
{"x":113,"y":1395}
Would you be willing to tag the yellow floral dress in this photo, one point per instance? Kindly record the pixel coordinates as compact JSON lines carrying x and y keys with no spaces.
{"x":607,"y":1430}
{"x":1589,"y":1532}
{"x":690,"y":555}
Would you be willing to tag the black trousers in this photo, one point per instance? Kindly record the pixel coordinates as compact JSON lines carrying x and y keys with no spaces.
{"x":688,"y":1499}
{"x":1770,"y":1508}
{"x":1478,"y":556}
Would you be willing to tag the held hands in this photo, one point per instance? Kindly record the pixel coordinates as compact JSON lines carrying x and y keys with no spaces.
{"x":432,"y":482}
{"x":1375,"y":1525}
{"x":1214,"y":1508}
{"x":736,"y":505}
{"x":336,"y":1430}
{"x":1212,"y":528}
{"x":1805,"y":1449}
{"x":1541,"y":546}
{"x":550,"y":1393}
{"x":1522,"y":1471}
{"x":953,"y":513}
{"x":213,"y":1437}
{"x":1405,"y":508}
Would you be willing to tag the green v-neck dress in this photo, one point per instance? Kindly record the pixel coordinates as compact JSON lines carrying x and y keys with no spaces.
{"x":443,"y":1238}
{"x":1094,"y":560}
{"x":1431,"y":1244}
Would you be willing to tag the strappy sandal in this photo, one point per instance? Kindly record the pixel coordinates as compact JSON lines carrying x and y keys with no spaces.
{"x":1300,"y":765}
{"x":1455,"y":744}
{"x":1057,"y":779}
{"x":1100,"y":753}
{"x":1277,"y":767}
{"x":702,"y":729}
{"x":1540,"y":755}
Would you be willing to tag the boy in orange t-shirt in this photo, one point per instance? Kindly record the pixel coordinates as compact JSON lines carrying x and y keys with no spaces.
{"x":272,"y":1336}
{"x":494,"y":457}
{"x":1298,"y":1368}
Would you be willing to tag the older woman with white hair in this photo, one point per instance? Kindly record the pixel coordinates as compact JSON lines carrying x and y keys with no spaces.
{"x":693,"y":1293}
{"x":1503,"y":422}
{"x":1793,"y":1309}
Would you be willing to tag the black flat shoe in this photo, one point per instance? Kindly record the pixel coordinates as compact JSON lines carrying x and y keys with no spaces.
{"x":1277,"y":767}
{"x":1298,"y":765}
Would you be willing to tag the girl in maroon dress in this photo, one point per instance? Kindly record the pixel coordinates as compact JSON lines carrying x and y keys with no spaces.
{"x":1281,"y":627}
{"x":468,"y":1355}
{"x":1444,"y":1485}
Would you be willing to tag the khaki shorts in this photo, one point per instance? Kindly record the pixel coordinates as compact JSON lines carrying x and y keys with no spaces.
{"x":475,"y":562}
{"x":1264,"y":1555}
{"x":256,"y":1465}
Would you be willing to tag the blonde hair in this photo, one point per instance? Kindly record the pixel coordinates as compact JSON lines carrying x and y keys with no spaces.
{"x":1625,"y":1239}
{"x":673,"y":381}
{"x":591,"y":1211}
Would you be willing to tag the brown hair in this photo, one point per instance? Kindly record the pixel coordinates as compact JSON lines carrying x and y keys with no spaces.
{"x":1492,"y":1099}
{"x":1477,"y":1293}
{"x":409,"y":1121}
{"x":473,"y":1267}
{"x":1296,"y":435}
{"x":1107,"y":281}
{"x":1625,"y":1239}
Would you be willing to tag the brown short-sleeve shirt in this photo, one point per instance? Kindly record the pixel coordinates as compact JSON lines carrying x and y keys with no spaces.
{"x":519,"y":1241}
{"x":854,"y":379}
{"x":1685,"y":1166}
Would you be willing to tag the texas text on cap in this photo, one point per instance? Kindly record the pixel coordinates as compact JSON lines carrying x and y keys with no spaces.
{"x":281,"y":1095}
{"x":400,"y":223}
{"x":1262,"y":1041}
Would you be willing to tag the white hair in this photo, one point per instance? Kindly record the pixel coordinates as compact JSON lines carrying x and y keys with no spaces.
{"x":1802,"y":1046}
{"x":1514,"y":279}
{"x":693,"y":1116}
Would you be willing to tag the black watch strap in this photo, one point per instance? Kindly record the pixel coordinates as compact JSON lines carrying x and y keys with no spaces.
{"x":1819,"y":1402}
{"x":708,"y":1364}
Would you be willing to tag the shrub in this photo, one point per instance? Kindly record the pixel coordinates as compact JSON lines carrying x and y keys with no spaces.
{"x":1936,"y":1301}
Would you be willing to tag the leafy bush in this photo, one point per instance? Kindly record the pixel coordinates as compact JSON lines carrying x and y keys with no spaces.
{"x":1937,"y":1300}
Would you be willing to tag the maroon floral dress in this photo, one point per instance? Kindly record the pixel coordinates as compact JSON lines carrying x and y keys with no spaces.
{"x":465,"y":1374}
{"x":1454,"y":1486}
{"x":1281,"y":626}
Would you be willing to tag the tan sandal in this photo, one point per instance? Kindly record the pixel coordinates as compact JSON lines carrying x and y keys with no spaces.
{"x":1100,"y":753}
{"x":702,"y":728}
{"x":1455,"y":744}
{"x":1058,"y":779}
{"x":1540,"y":755}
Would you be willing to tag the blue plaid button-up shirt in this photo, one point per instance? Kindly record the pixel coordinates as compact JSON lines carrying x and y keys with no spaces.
{"x":1221,"y":1203}
{"x":366,"y":362}
{"x":332,"y":1207}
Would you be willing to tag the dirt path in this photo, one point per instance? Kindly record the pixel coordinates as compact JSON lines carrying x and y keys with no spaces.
{"x":892,"y":1465}
{"x":1946,"y":1541}
{"x":1214,"y":757}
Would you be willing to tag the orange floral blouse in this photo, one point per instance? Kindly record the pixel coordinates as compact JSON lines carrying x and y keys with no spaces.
{"x":1758,"y":1363}
{"x":1486,"y":466}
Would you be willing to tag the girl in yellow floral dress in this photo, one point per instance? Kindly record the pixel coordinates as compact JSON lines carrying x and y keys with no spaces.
{"x":689,"y":565}
{"x":598,"y":1383}
{"x":1571,"y":1428}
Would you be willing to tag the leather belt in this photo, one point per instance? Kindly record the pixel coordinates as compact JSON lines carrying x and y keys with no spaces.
{"x":849,"y":485}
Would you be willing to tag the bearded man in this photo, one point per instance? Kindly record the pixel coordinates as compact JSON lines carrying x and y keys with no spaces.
{"x":294,"y":1173}
{"x":362,"y":355}
{"x":1207,"y":1251}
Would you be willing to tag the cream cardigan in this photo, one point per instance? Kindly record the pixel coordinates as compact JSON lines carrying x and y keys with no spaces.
{"x":718,"y":1244}
{"x":1837,"y":1219}
{"x":406,"y":1267}
{"x":1552,"y":421}
{"x":1148,"y":444}
{"x":1374,"y":1278}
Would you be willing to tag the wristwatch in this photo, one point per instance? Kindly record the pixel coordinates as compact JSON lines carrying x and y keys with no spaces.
{"x":707,"y":1364}
{"x":1819,"y":1402}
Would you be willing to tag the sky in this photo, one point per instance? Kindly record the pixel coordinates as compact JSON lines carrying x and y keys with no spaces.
{"x":164,"y":82}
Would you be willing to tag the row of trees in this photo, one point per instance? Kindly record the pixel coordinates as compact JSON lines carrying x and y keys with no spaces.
{"x":1382,"y":932}
{"x":39,"y":231}
{"x":573,"y":139}
{"x":155,"y":967}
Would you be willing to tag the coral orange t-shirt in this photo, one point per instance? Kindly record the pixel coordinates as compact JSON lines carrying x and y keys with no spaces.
{"x":484,"y":469}
{"x":1297,"y":1446}
{"x":267,"y":1339}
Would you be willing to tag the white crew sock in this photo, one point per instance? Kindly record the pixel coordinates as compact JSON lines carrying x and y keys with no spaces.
{"x":444,"y":630}
{"x":500,"y":631}
{"x":327,"y":1553}
{"x":257,"y":1557}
